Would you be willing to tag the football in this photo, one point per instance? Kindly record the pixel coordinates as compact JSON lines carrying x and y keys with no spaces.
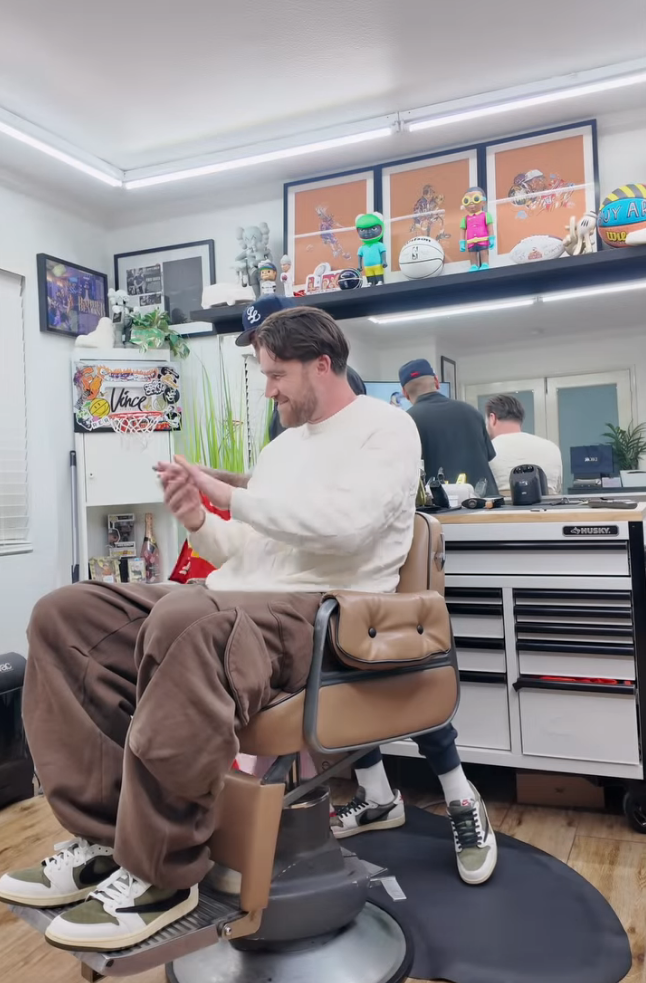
{"x":421,"y":257}
{"x":535,"y":248}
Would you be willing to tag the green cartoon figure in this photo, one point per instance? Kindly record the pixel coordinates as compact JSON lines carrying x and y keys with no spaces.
{"x":372,"y":252}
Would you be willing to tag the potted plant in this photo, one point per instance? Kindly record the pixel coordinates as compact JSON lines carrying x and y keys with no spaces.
{"x":628,"y":446}
{"x":213,"y":434}
{"x":153,"y":330}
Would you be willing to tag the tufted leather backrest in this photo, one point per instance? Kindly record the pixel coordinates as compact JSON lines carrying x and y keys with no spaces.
{"x":424,"y":566}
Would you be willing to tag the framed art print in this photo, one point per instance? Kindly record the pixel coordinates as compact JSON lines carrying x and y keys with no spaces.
{"x":422,"y":198}
{"x":535,"y":183}
{"x":320,"y":221}
{"x":448,"y":376}
{"x":171,"y":279}
{"x":72,"y":299}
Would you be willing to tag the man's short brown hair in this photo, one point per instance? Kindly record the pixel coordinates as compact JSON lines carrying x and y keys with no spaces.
{"x":303,"y":334}
{"x":506,"y":407}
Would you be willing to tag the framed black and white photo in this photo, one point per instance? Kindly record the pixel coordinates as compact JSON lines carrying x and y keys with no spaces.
{"x":448,"y":374}
{"x":170,"y":278}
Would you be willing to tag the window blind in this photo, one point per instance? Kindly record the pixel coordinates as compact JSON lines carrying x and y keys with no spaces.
{"x":14,"y":497}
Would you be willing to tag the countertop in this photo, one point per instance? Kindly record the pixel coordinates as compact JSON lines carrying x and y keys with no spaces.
{"x":570,"y":513}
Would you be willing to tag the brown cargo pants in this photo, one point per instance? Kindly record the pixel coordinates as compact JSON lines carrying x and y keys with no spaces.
{"x":133,"y":698}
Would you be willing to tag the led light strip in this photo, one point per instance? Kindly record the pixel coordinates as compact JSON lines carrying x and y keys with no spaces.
{"x":285,"y":154}
{"x":46,"y":148}
{"x":502,"y":305}
{"x":579,"y":292}
{"x":528,"y":102}
{"x":599,"y":80}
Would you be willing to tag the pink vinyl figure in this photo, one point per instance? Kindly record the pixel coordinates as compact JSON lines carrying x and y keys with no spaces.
{"x":477,"y":226}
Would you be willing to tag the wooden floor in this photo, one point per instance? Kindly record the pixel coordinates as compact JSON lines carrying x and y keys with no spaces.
{"x":599,"y":846}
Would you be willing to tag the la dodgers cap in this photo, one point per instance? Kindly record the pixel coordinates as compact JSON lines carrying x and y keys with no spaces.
{"x":257,"y":312}
{"x":414,"y":370}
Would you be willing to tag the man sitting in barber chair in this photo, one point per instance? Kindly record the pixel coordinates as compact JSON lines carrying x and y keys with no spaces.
{"x":376,"y":806}
{"x":135,"y":693}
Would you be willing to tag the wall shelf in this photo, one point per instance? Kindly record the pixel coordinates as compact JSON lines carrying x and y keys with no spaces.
{"x":608,"y":266}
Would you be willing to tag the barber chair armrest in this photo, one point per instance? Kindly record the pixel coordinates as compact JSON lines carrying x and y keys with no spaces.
{"x":377,"y":632}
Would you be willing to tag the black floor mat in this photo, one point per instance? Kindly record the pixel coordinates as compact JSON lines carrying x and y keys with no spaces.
{"x":535,"y":921}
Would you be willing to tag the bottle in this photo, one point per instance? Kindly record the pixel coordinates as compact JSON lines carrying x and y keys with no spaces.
{"x":420,"y":500}
{"x":150,"y":553}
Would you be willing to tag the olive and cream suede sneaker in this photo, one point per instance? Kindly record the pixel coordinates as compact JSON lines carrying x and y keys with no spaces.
{"x":120,"y":913}
{"x":75,"y":869}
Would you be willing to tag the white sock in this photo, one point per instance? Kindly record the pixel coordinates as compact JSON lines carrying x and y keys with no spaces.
{"x":375,"y":784}
{"x":455,"y":786}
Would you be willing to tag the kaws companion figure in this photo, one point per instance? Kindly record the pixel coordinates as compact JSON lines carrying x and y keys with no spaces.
{"x":477,"y":226}
{"x":372,"y":252}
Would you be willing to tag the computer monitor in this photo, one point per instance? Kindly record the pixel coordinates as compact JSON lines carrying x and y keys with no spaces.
{"x":391,"y":392}
{"x":594,"y":461}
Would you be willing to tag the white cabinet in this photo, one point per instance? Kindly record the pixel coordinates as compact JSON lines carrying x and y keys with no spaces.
{"x":598,"y":727}
{"x":114,"y":473}
{"x":482,"y":720}
{"x":119,"y":467}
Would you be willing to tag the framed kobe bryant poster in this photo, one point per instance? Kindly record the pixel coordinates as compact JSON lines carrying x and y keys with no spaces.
{"x":72,"y":299}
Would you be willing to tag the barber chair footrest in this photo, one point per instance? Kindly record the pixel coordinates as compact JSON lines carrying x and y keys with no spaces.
{"x":203,"y":927}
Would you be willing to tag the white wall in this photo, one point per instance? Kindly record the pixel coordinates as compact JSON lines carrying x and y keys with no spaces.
{"x":565,"y":356}
{"x":219,"y":225}
{"x":27,"y":228}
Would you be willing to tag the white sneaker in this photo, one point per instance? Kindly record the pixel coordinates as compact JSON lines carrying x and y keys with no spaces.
{"x":360,"y":815}
{"x":122,"y":912}
{"x":75,"y":869}
{"x":475,"y":841}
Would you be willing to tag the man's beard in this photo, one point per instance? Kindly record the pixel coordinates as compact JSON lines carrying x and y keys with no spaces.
{"x":295,"y":413}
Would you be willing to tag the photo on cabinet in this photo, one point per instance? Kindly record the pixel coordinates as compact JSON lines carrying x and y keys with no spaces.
{"x":105,"y":569}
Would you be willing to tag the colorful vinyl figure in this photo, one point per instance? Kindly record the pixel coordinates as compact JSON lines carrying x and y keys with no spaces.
{"x":372,"y":252}
{"x":268,"y":277}
{"x":477,"y":226}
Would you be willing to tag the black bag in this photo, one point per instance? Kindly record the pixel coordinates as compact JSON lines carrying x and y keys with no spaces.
{"x":16,"y":766}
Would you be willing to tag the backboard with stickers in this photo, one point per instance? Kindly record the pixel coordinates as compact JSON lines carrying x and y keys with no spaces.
{"x":126,"y":397}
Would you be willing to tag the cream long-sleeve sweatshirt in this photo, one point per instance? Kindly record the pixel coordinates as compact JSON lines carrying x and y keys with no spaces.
{"x":329,"y":505}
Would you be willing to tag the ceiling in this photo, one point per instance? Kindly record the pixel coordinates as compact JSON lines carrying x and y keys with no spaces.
{"x":146,"y":83}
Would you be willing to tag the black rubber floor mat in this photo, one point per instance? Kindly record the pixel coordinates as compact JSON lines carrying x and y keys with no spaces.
{"x":535,"y":921}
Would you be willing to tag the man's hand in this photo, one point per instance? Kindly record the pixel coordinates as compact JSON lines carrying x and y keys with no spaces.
{"x":218,"y":492}
{"x":181,"y":495}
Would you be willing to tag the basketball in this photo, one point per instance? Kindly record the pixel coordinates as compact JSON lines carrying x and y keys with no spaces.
{"x":99,"y":407}
{"x":421,"y":257}
{"x":349,"y":279}
{"x":622,"y":213}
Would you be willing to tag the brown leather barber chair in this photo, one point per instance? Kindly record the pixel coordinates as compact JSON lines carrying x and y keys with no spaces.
{"x":285,"y":901}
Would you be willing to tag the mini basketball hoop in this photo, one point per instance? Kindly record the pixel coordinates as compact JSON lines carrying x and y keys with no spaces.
{"x":141,"y":425}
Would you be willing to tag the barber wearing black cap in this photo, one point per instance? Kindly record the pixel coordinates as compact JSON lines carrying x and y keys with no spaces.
{"x":453,"y":434}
